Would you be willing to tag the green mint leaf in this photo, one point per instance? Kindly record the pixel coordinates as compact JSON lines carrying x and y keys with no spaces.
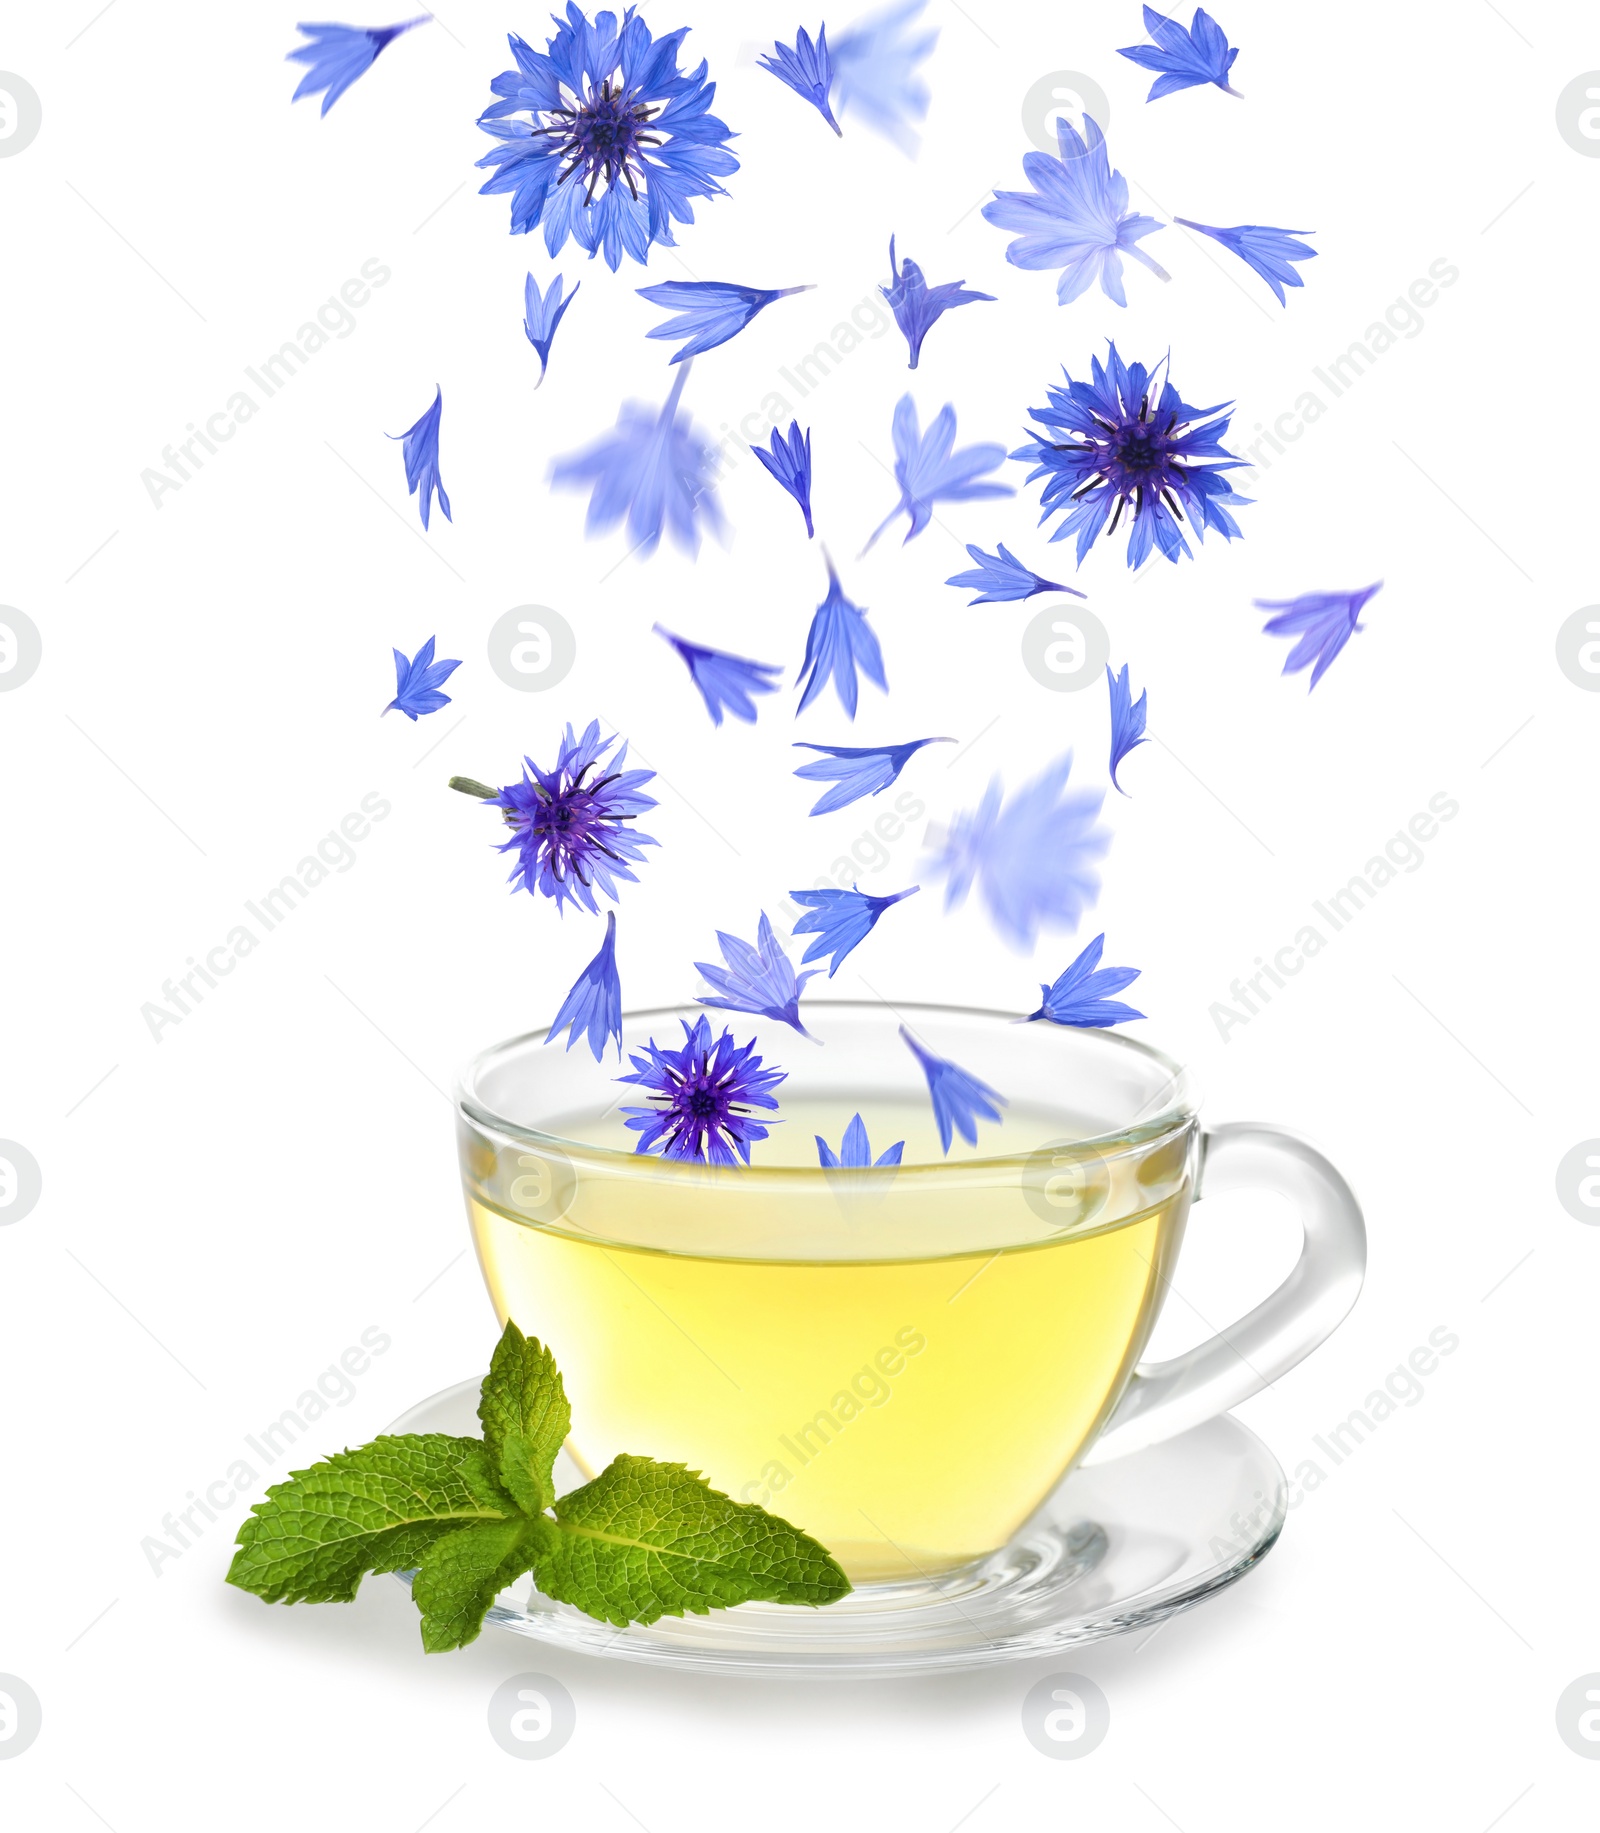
{"x":378,"y":1509}
{"x":525,"y":1417}
{"x":647,"y":1540}
{"x":461,"y":1572}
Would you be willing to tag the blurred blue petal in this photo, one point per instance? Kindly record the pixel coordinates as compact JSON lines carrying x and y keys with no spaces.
{"x":725,"y":682}
{"x":789,"y":461}
{"x":840,"y":920}
{"x":709,"y":312}
{"x":960,"y":1100}
{"x":917,"y":307}
{"x":421,"y":453}
{"x":1076,"y":217}
{"x":858,"y":770}
{"x":338,"y":54}
{"x":1114,"y":442}
{"x":656,"y":469}
{"x":416,"y":683}
{"x":1033,"y":858}
{"x":876,"y":76}
{"x":855,"y":1150}
{"x":1271,"y":252}
{"x":807,"y":68}
{"x":1323,"y":621}
{"x":1001,"y":577}
{"x":1200,"y":55}
{"x":541,"y":316}
{"x":759,"y":979}
{"x":1127,"y":720}
{"x":594,"y":1006}
{"x":929,"y":470}
{"x":839,"y":641}
{"x":1079,"y":994}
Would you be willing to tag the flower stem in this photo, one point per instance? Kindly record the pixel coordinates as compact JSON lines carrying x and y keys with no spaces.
{"x":469,"y":786}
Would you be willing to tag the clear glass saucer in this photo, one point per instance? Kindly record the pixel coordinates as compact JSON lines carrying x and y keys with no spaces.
{"x":1117,"y":1547}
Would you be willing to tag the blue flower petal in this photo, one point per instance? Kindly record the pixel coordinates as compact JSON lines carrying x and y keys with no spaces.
{"x":876,"y":74}
{"x":709,"y":312}
{"x":1078,"y":996}
{"x":855,"y":1150}
{"x":789,"y":461}
{"x":337,"y":54}
{"x":840,"y":920}
{"x":960,"y":1100}
{"x":858,"y":770}
{"x":594,"y":1006}
{"x":839,"y":642}
{"x":759,"y":980}
{"x":421,"y":452}
{"x":542,"y":315}
{"x":1201,"y":54}
{"x":807,"y":68}
{"x":1323,"y":621}
{"x":1271,"y":252}
{"x":917,"y":307}
{"x":1127,"y":720}
{"x":725,"y":681}
{"x":416,"y":682}
{"x":929,"y":470}
{"x":1001,"y":578}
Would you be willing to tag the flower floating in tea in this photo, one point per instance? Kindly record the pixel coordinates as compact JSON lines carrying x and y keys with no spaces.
{"x":855,"y":1150}
{"x":701,"y":1096}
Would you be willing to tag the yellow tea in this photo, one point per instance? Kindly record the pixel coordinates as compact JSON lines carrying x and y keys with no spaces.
{"x":907,"y":1405}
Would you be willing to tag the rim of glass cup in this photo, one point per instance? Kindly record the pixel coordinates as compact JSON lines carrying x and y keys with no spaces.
{"x":1178,"y":1108}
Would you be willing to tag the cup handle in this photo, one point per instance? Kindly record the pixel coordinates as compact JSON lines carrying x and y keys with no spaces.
{"x":1165,"y":1398}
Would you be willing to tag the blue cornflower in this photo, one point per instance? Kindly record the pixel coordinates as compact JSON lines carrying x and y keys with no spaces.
{"x":759,"y":980}
{"x":929,"y":470}
{"x":701,"y":1096}
{"x":571,"y":831}
{"x":1127,"y":720}
{"x":541,"y":316}
{"x":917,"y":307}
{"x":1110,"y":442}
{"x":417,"y":682}
{"x":725,"y":682}
{"x":999,"y":578}
{"x":656,"y":468}
{"x":609,"y":112}
{"x":709,"y":312}
{"x":421,"y":453}
{"x":839,"y":641}
{"x":960,"y":1100}
{"x":1076,"y":217}
{"x":1079,"y":994}
{"x":875,"y":72}
{"x":1323,"y":621}
{"x":840,"y":920}
{"x":594,"y":1006}
{"x":1270,"y":252}
{"x":789,"y":461}
{"x":1200,"y":55}
{"x":338,"y":54}
{"x":807,"y":68}
{"x":858,"y":770}
{"x":1033,"y":858}
{"x":855,"y":1150}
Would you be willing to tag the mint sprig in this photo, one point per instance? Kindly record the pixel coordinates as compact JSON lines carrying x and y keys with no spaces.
{"x":642,"y":1541}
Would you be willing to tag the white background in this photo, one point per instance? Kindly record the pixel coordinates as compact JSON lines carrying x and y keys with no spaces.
{"x":230,"y":1207}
